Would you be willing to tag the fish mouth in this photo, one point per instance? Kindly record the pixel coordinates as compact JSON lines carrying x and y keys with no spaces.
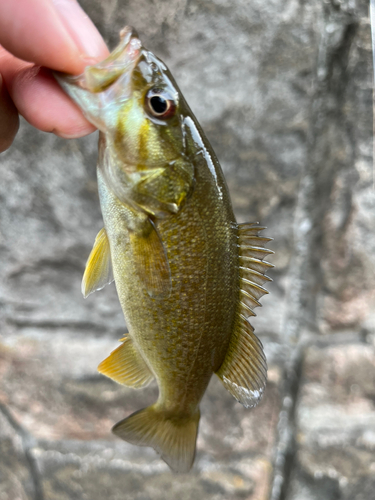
{"x":103,"y":86}
{"x":98,"y":77}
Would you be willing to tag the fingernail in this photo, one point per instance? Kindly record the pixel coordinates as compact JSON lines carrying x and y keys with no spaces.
{"x":81,"y":29}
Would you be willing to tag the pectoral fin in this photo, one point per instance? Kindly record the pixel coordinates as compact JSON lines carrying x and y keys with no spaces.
{"x":98,"y":272}
{"x":150,"y":260}
{"x":126,"y":366}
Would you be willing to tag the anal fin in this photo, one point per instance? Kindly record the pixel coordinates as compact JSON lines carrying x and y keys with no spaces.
{"x":126,"y":366}
{"x":98,"y":272}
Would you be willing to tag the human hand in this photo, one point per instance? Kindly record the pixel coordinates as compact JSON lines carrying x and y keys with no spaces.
{"x":38,"y":36}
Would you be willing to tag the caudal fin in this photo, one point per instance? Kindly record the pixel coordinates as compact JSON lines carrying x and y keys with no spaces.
{"x":172,"y":437}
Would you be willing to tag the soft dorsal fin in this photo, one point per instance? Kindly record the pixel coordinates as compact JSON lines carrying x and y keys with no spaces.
{"x":150,"y":260}
{"x":252,"y":267}
{"x":98,"y":272}
{"x":244,"y":370}
{"x":126,"y":366}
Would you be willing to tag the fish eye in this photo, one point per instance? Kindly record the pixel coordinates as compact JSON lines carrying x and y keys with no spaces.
{"x":160,"y":104}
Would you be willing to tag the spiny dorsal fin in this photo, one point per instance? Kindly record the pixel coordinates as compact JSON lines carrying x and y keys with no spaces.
{"x":98,"y":272}
{"x":126,"y":366}
{"x":250,"y":228}
{"x":252,"y":267}
{"x":253,"y":275}
{"x":244,"y":370}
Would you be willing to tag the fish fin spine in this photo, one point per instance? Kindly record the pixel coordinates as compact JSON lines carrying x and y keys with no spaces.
{"x":252,"y":267}
{"x":244,"y":370}
{"x":98,"y":272}
{"x":126,"y":366}
{"x":172,"y":437}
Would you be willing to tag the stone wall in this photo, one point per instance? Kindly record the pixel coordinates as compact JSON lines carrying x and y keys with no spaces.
{"x":283,"y":89}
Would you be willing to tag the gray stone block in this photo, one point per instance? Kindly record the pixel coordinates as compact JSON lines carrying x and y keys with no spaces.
{"x":335,"y":424}
{"x":284,"y":93}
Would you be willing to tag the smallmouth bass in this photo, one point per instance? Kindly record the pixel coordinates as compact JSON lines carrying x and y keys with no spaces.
{"x":187,"y":275}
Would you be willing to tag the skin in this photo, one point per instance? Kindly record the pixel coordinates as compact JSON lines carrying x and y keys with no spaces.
{"x":172,"y":232}
{"x":182,"y":325}
{"x":38,"y":36}
{"x":178,"y":255}
{"x":184,"y":337}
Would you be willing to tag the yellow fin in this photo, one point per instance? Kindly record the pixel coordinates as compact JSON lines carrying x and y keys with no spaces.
{"x":98,"y":272}
{"x":151,"y":260}
{"x":126,"y":366}
{"x":171,"y":436}
{"x":244,"y":370}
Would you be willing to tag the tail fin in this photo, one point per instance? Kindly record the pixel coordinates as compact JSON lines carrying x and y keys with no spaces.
{"x":172,"y":437}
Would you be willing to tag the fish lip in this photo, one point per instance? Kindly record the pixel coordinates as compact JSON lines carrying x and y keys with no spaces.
{"x":96,"y":78}
{"x":103,"y":87}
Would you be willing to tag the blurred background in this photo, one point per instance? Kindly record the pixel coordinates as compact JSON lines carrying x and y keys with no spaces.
{"x":283,"y":90}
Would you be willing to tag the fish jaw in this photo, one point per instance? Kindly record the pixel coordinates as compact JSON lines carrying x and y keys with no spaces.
{"x":103,"y":88}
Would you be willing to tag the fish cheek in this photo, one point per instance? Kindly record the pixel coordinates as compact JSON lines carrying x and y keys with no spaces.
{"x":175,"y":178}
{"x":170,"y":184}
{"x":168,"y":177}
{"x":129,"y":127}
{"x":156,"y":151}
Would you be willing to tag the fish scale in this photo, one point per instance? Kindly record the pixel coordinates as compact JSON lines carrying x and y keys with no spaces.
{"x":187,"y":275}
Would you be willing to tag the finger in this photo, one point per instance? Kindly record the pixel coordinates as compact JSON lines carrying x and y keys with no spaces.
{"x":41,"y":101}
{"x":52,"y":33}
{"x":9,"y":120}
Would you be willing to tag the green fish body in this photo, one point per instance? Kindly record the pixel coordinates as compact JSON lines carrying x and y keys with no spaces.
{"x":187,"y":275}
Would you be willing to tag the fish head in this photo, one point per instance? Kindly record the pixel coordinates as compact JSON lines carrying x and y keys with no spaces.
{"x":132,"y":98}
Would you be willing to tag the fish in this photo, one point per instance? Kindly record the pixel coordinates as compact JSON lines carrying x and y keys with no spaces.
{"x":188,"y":276}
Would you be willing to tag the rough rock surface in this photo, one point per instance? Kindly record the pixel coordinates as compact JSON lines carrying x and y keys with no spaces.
{"x":283,"y":90}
